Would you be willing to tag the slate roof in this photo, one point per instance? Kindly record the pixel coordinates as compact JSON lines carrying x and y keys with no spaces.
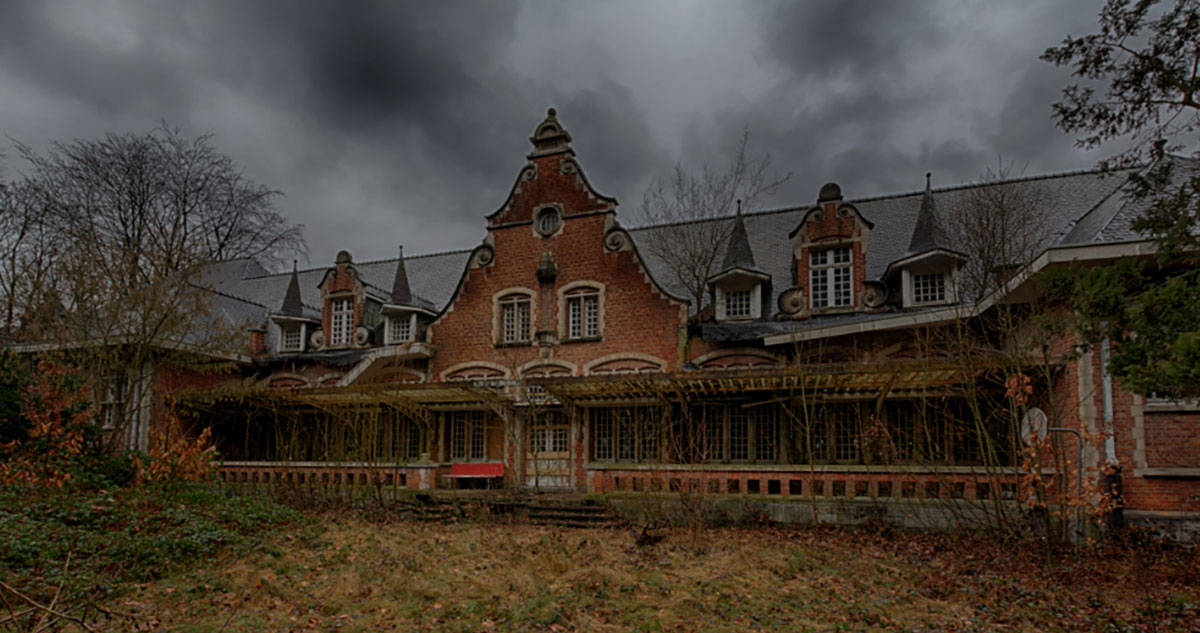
{"x":1080,"y":207}
{"x":432,"y":280}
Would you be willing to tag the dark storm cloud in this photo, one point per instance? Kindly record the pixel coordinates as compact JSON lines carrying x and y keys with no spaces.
{"x":864,"y":39}
{"x":388,"y":122}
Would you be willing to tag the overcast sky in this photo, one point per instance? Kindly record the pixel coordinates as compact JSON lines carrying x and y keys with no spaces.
{"x":388,"y":123}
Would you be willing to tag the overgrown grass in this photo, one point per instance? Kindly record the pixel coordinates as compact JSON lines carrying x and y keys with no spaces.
{"x":87,"y":544}
{"x":365,"y":576}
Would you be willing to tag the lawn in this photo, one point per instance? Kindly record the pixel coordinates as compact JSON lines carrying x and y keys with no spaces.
{"x":346,"y":574}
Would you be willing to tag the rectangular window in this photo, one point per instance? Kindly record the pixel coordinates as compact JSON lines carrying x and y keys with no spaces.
{"x":400,"y":329}
{"x":831,"y":278}
{"x":583,"y":314}
{"x":929,"y":288}
{"x":844,"y":423}
{"x":764,"y":434}
{"x":604,"y":434}
{"x":650,"y":430}
{"x":739,"y":434}
{"x":341,"y":322}
{"x":901,"y":418}
{"x":515,"y":319}
{"x":291,"y":338}
{"x":714,"y":434}
{"x":737,"y":304}
{"x":112,"y":404}
{"x":467,"y":433}
{"x":412,"y":441}
{"x":626,"y":436}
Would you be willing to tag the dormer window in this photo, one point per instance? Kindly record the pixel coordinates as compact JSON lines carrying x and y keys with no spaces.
{"x":400,"y":328}
{"x":929,"y":280}
{"x":929,"y":288}
{"x":737,"y":304}
{"x":831,"y":278}
{"x":341,"y":321}
{"x":291,"y":338}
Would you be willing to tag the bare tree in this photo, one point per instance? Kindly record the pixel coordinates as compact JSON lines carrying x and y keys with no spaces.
{"x":691,"y":206}
{"x":114,"y":238}
{"x":29,"y":249}
{"x":999,"y":226}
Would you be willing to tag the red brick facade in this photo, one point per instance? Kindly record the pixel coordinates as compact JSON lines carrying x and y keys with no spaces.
{"x":637,"y":318}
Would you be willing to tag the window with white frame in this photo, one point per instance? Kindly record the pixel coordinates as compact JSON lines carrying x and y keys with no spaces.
{"x":830,"y":276}
{"x":514,"y":318}
{"x":112,"y":404}
{"x":737,"y":303}
{"x":583,"y":313}
{"x":341,"y":322}
{"x":291,"y":338}
{"x":400,"y":328}
{"x":467,"y":435}
{"x":929,"y":287}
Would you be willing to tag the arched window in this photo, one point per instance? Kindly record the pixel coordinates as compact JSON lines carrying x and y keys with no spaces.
{"x":515,"y":321}
{"x":583,"y":313}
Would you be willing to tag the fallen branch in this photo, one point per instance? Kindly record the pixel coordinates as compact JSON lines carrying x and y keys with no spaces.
{"x":41,"y":607}
{"x":41,"y":623}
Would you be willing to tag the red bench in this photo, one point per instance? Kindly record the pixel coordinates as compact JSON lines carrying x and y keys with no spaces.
{"x":488,"y":472}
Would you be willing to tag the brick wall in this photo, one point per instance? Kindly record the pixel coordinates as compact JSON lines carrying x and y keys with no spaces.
{"x":637,"y":317}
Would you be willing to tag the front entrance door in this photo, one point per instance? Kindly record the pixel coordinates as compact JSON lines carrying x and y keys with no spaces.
{"x":548,"y":454}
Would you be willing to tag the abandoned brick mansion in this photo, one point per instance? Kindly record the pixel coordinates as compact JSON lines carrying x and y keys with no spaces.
{"x":843,"y":353}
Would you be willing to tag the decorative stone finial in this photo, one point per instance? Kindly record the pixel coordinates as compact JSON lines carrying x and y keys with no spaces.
{"x":343,"y":257}
{"x":928,"y":176}
{"x":550,"y":137}
{"x":830,"y":191}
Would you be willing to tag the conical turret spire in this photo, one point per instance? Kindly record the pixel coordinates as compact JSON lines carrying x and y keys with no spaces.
{"x":292,"y":304}
{"x":738,"y":253}
{"x":928,"y":233}
{"x":401,"y":294}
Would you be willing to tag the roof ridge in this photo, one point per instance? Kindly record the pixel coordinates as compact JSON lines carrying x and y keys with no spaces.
{"x":233,"y":296}
{"x":369,"y":261}
{"x":893,"y":196}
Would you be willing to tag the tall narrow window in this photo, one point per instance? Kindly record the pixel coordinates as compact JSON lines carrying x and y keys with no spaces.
{"x":583,"y":313}
{"x":844,"y":420}
{"x":341,"y":322}
{"x":764,"y":434}
{"x":739,"y":435}
{"x":626,"y":436}
{"x":604,"y":434}
{"x":112,"y":405}
{"x":514,"y":319}
{"x":737,"y":304}
{"x":714,"y":433}
{"x":929,"y":288}
{"x":830,"y":278}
